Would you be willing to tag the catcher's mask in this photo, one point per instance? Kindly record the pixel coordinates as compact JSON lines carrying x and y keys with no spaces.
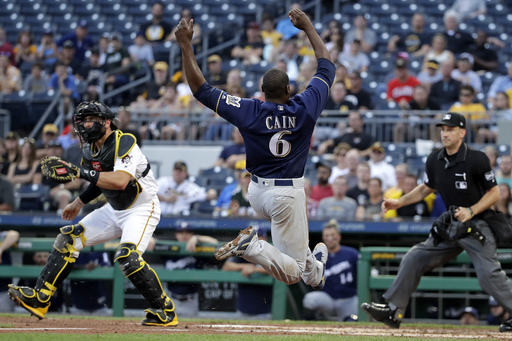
{"x":97,"y":130}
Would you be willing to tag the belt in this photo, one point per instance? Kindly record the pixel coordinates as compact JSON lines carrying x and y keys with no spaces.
{"x":277,"y":182}
{"x":146,"y":171}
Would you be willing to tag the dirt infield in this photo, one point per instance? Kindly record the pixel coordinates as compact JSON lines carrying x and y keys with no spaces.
{"x":82,"y":325}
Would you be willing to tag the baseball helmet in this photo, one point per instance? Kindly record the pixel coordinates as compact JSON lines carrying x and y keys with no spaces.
{"x":96,"y":131}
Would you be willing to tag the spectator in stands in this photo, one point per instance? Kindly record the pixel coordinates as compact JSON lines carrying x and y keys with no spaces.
{"x":341,"y":166}
{"x":155,"y":87}
{"x":343,"y":71}
{"x":357,"y":95}
{"x":401,"y":88}
{"x":6,"y":48}
{"x":81,"y":41}
{"x":360,"y":30}
{"x":187,"y":15}
{"x":9,"y":239}
{"x":12,"y":151}
{"x":37,"y":81}
{"x":465,"y":74}
{"x":456,"y":41}
{"x":50,"y":133}
{"x":219,"y":129}
{"x":224,"y":199}
{"x":419,"y":209}
{"x":413,"y":130}
{"x":72,"y":147}
{"x":359,"y":192}
{"x":185,"y":295}
{"x":47,"y":51}
{"x":469,"y":316}
{"x":356,"y":137}
{"x":10,"y":76}
{"x":466,"y":9}
{"x":90,"y":74}
{"x":26,"y":170}
{"x":285,"y":27}
{"x":250,"y":49}
{"x":312,"y":204}
{"x":485,"y":58}
{"x":140,"y":51}
{"x":240,"y":205}
{"x":252,"y":301}
{"x":438,"y":52}
{"x":25,"y":50}
{"x":431,"y":74}
{"x":177,"y":193}
{"x":357,"y":59}
{"x":337,"y":101}
{"x":395,"y":192}
{"x":116,"y":65}
{"x":64,"y":83}
{"x":500,"y":84}
{"x":493,"y":155}
{"x":497,"y":314}
{"x":67,"y":56}
{"x":89,"y":297}
{"x":353,"y":158}
{"x":338,"y":206}
{"x":323,"y":188}
{"x":467,"y":106}
{"x":446,"y":91}
{"x":157,"y":30}
{"x":504,"y":173}
{"x":271,"y":37}
{"x":231,"y":154}
{"x":7,"y":202}
{"x":163,"y":110}
{"x":380,"y":168}
{"x":415,"y":41}
{"x":289,"y":53}
{"x":371,"y":209}
{"x":500,"y":110}
{"x":216,"y":76}
{"x":338,"y":298}
{"x":104,"y":46}
{"x":124,"y":123}
{"x":503,"y":204}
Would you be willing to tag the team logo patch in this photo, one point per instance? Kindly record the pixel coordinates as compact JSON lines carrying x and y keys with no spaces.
{"x":461,"y":185}
{"x":96,"y":166}
{"x":126,"y":160}
{"x":489,"y":176}
{"x":447,"y":117}
{"x":60,"y":171}
{"x":280,"y":108}
{"x":233,"y":100}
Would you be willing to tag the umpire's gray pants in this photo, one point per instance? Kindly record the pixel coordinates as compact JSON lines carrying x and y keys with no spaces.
{"x":425,"y":257}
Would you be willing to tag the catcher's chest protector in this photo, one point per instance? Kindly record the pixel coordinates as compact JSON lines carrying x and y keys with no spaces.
{"x":103,"y":161}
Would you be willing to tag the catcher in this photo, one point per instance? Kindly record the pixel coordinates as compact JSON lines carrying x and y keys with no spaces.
{"x":114,"y":165}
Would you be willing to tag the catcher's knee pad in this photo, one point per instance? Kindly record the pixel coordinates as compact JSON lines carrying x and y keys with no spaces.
{"x":142,"y":276}
{"x":65,"y":242}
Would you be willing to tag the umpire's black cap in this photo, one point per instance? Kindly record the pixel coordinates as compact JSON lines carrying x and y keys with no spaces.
{"x":453,"y":119}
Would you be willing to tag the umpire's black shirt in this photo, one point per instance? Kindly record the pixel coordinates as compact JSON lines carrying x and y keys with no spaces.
{"x":462,"y":178}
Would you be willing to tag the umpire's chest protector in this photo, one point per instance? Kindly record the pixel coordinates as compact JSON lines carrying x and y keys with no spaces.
{"x":116,"y":145}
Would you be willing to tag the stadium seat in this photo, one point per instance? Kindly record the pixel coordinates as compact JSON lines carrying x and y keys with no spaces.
{"x":216,"y":171}
{"x":31,"y":197}
{"x":204,"y":207}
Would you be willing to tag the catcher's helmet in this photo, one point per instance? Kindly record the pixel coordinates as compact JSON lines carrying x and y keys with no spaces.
{"x":97,"y":130}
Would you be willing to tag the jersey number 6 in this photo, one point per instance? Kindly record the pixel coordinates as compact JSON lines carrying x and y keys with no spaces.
{"x":279,"y":147}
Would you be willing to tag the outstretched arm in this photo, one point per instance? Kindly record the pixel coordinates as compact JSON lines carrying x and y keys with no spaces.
{"x":300,"y":20}
{"x":184,"y":32}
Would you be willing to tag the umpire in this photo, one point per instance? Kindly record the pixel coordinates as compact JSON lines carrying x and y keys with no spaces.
{"x":464,"y":178}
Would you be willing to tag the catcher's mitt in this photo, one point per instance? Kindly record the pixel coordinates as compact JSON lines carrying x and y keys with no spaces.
{"x":57,"y":171}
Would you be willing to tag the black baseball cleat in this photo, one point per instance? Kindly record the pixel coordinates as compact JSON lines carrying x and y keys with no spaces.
{"x":383,"y":313}
{"x":28,"y":299}
{"x":506,"y":326}
{"x":320,"y":253}
{"x":158,"y":317}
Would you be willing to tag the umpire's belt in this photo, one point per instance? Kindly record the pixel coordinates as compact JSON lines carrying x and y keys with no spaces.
{"x":276,"y":182}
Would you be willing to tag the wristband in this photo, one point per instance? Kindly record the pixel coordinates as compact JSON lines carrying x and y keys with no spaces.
{"x":90,"y":175}
{"x":471,"y":211}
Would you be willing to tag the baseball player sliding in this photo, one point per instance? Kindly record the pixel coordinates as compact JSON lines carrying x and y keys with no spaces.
{"x":277,"y":136}
{"x":115,"y":166}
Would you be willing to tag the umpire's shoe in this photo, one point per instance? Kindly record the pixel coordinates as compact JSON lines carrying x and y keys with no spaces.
{"x":239,"y":245}
{"x":383,"y":313}
{"x":506,"y":326}
{"x":320,"y":253}
{"x":28,"y":299}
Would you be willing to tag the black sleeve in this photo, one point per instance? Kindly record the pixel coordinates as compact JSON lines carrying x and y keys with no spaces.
{"x":482,"y":171}
{"x":90,"y":193}
{"x":429,"y":167}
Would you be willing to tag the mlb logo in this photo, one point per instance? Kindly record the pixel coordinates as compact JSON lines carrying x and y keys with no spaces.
{"x":489,"y":176}
{"x":461,"y":185}
{"x":447,"y":117}
{"x":96,"y":166}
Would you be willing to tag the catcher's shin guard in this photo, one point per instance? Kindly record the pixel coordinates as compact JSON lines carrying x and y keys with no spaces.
{"x":145,"y":279}
{"x":57,"y":268}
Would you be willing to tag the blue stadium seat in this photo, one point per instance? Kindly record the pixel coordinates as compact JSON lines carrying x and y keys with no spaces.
{"x":216,"y":171}
{"x":31,"y":197}
{"x":204,"y":207}
{"x":354,"y":9}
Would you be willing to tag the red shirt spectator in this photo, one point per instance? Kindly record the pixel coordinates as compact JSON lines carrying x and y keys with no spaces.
{"x":6,"y":48}
{"x":323,"y":188}
{"x":401,"y":88}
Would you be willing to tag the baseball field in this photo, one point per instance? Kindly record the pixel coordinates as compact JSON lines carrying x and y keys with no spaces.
{"x":16,"y":327}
